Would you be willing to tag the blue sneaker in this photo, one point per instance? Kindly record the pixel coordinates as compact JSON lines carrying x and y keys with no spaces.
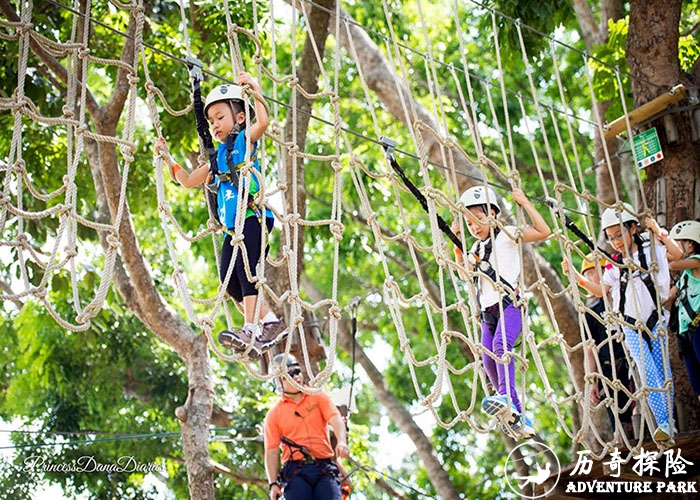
{"x":663,"y":433}
{"x":499,"y":406}
{"x":521,"y":428}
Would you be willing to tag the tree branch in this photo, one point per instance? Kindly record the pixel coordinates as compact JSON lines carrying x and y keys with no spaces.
{"x":51,"y":62}
{"x":587,"y":24}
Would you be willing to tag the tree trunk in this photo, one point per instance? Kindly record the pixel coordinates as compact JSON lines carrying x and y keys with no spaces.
{"x":670,"y":185}
{"x":138,"y":289}
{"x":398,"y":413}
{"x":607,"y":163}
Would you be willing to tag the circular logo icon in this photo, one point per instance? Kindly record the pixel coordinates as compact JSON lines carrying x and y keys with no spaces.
{"x":532,"y":470}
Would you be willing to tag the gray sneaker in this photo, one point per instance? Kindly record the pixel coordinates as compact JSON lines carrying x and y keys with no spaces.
{"x":240,"y":341}
{"x":273,"y":333}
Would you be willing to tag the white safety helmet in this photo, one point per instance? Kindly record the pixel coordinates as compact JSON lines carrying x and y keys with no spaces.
{"x":686,"y":230}
{"x":228,"y":92}
{"x":480,"y":195}
{"x":613,"y":217}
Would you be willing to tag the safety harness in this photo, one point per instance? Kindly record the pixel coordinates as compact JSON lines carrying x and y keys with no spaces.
{"x":625,"y":278}
{"x":294,"y":447}
{"x":485,"y":266}
{"x":685,"y":302}
{"x":285,"y":477}
{"x":212,"y":186}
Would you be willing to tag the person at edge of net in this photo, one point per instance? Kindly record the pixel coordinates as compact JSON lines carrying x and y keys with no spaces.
{"x":687,"y":292}
{"x":633,"y":287}
{"x":609,"y":352}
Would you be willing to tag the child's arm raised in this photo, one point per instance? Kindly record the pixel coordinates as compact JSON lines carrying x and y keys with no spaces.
{"x":257,"y":128}
{"x":539,"y":229}
{"x":590,"y":286}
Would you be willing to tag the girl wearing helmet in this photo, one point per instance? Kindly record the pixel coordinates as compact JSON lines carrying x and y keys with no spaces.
{"x":298,"y":425}
{"x":687,"y":234}
{"x":633,"y":289}
{"x":608,"y":356}
{"x":498,"y":259}
{"x":226,"y":110}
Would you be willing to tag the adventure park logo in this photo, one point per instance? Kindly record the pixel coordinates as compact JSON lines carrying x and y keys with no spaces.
{"x":541,"y":461}
{"x":665,"y":473}
{"x":644,"y":464}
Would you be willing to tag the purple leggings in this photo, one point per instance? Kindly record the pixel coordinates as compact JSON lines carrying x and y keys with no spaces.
{"x":492,"y":339}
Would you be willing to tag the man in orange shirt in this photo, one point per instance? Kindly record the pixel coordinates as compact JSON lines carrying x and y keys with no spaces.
{"x":298,"y":424}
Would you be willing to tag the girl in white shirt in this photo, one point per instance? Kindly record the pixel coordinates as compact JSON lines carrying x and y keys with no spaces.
{"x":496,"y":257}
{"x":633,"y":290}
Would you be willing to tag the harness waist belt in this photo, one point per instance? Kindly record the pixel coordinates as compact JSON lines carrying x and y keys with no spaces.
{"x":651,"y":322}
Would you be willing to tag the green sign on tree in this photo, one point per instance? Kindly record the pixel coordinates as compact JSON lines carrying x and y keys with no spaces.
{"x":647,"y":148}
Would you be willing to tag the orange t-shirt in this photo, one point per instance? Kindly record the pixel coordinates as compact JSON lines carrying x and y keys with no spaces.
{"x":305,"y":423}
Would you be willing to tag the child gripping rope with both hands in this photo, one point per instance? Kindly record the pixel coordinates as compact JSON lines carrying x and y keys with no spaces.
{"x":497,"y":258}
{"x":633,"y":288}
{"x":228,"y":113}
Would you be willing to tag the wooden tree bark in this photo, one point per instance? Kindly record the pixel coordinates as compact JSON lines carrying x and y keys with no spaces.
{"x":670,"y":187}
{"x":134,"y":280}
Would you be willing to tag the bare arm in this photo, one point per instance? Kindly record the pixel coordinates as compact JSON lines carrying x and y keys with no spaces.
{"x":272,"y":468}
{"x":539,"y":229}
{"x":683,"y":264}
{"x":257,"y":128}
{"x":673,"y":248}
{"x":185,"y":178}
{"x":341,"y":449}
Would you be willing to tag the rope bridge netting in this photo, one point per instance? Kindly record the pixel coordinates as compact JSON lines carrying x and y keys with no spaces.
{"x":462,"y":116}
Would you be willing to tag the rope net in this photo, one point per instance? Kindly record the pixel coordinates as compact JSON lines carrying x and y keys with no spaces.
{"x":459,"y":121}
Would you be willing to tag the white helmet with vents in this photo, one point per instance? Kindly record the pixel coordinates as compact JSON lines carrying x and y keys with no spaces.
{"x":480,"y":195}
{"x":613,"y":217}
{"x":228,"y":92}
{"x":686,"y":230}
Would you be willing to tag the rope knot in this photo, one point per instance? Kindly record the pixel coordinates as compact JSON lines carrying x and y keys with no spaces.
{"x":206,"y":324}
{"x":128,"y":151}
{"x":22,"y":29}
{"x":67,"y":112}
{"x":335,"y":312}
{"x":213,"y":225}
{"x":337,"y":229}
{"x":113,"y":241}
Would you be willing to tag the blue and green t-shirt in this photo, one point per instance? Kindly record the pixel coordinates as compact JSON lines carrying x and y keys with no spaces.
{"x":227,"y":194}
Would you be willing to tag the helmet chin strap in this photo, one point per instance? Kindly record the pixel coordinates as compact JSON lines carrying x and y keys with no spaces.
{"x":236,"y":126}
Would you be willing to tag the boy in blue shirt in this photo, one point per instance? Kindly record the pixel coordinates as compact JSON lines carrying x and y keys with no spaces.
{"x":226,"y":110}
